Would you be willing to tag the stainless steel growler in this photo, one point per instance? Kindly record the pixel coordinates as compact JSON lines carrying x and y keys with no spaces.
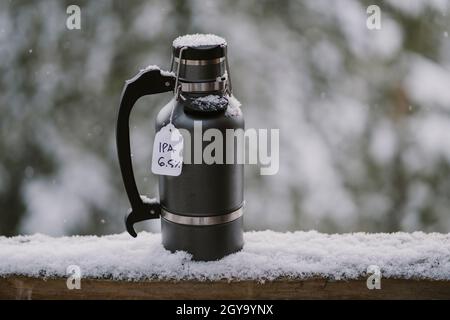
{"x":201,"y":209}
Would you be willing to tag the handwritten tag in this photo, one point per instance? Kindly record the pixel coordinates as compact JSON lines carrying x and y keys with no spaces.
{"x":167,"y":156}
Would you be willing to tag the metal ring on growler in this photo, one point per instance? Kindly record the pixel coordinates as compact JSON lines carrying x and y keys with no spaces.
{"x":201,"y":207}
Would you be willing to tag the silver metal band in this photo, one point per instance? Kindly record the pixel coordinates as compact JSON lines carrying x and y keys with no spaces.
{"x":203,"y":86}
{"x":199,"y":62}
{"x":201,"y":221}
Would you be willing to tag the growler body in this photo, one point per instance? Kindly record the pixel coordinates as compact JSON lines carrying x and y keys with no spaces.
{"x":203,"y":190}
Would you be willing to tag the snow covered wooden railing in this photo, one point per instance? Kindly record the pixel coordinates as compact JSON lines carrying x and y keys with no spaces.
{"x":271,"y":266}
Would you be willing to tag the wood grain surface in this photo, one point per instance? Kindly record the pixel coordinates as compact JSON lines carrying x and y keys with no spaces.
{"x":37,"y":288}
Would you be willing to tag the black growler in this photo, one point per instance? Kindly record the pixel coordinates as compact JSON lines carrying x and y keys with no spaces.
{"x":200,"y":209}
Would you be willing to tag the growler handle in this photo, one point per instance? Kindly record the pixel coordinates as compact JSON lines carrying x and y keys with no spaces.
{"x":146,"y":82}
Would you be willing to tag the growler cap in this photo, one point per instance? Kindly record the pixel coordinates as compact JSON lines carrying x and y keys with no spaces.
{"x":200,"y":46}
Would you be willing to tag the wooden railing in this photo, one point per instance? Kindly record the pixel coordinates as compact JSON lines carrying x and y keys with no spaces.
{"x":16,"y":287}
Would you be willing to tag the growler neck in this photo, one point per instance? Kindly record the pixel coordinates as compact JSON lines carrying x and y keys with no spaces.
{"x":195,"y":95}
{"x":219,"y":85}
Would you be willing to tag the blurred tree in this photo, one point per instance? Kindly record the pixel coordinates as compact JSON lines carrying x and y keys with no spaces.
{"x":362,"y":144}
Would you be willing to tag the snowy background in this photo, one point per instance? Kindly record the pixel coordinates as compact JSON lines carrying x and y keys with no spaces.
{"x":364,"y":116}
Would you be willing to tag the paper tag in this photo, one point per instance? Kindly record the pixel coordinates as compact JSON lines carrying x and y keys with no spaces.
{"x":167,"y":156}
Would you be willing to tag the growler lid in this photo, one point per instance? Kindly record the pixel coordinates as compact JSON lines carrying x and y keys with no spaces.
{"x":203,"y":60}
{"x":200,"y":46}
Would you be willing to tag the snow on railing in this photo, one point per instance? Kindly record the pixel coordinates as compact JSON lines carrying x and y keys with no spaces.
{"x":267,"y":255}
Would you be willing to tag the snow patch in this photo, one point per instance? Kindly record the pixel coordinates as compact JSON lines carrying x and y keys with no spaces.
{"x":210,"y":103}
{"x":198,"y":39}
{"x":163,"y":73}
{"x":148,"y":200}
{"x":266,"y":255}
{"x":234,"y":107}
